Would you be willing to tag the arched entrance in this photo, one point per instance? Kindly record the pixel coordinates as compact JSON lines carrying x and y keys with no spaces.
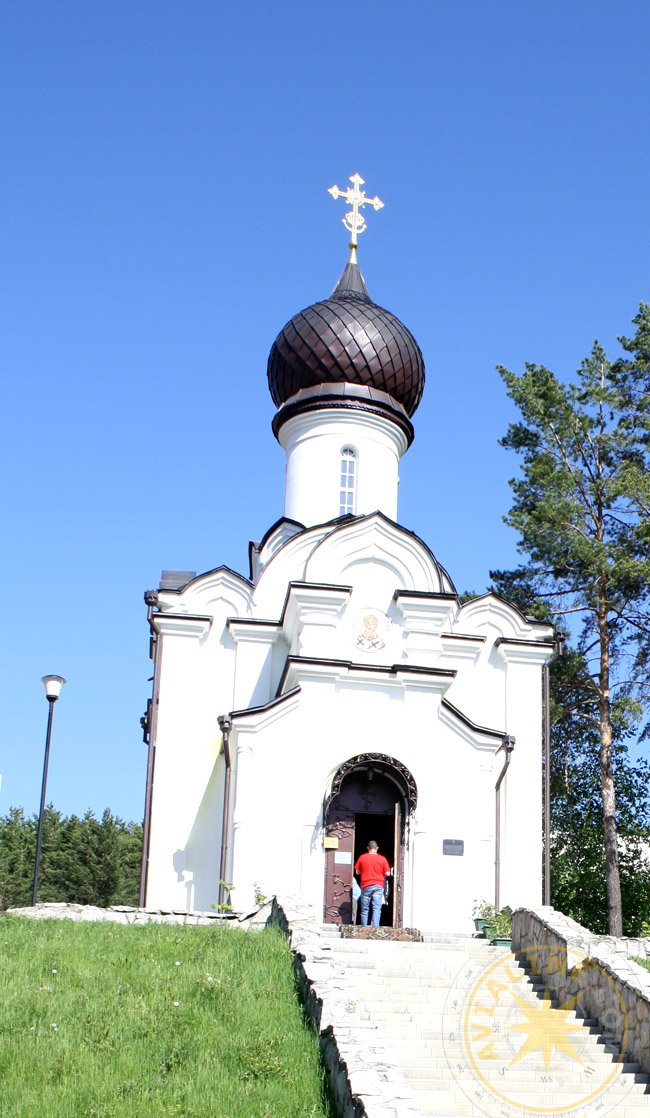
{"x":372,"y":797}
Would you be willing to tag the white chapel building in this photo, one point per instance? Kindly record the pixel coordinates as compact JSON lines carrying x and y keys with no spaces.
{"x":340,"y":692}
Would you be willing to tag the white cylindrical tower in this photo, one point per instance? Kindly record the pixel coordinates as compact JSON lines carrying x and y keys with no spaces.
{"x":340,"y":462}
{"x":346,"y":376}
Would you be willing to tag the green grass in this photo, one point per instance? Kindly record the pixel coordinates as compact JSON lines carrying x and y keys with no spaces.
{"x":642,"y":962}
{"x":109,"y":1021}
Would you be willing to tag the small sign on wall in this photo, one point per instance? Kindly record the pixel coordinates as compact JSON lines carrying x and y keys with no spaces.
{"x":343,"y":858}
{"x":455,"y":847}
{"x":330,"y":844}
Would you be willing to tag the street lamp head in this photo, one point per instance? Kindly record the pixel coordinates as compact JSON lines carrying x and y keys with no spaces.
{"x":53,"y":685}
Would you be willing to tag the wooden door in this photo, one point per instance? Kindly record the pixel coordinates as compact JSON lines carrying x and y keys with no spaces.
{"x":338,"y":865}
{"x":398,"y":867}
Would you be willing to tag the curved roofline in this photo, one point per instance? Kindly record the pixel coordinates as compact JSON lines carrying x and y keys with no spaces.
{"x":205,"y":574}
{"x":513,"y":607}
{"x":269,"y":531}
{"x":346,"y":521}
{"x":339,"y":523}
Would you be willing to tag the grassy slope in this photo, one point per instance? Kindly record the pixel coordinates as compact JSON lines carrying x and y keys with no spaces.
{"x":103,"y":1020}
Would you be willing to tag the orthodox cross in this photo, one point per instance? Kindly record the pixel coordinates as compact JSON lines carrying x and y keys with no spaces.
{"x":354,"y":221}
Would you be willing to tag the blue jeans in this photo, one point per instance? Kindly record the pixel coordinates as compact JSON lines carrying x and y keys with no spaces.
{"x":373,"y":893}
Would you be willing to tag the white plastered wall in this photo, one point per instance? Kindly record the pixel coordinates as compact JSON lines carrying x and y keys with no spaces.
{"x":285,"y":755}
{"x":288,"y":757}
{"x":196,"y":666}
{"x":313,"y":442}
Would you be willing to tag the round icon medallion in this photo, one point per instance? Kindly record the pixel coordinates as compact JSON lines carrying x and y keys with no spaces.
{"x":370,"y":630}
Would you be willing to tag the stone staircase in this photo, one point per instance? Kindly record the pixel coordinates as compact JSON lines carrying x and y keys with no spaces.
{"x":473,"y":1031}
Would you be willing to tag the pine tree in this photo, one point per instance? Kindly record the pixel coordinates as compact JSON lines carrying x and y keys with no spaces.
{"x":578,"y":509}
{"x":576,"y":823}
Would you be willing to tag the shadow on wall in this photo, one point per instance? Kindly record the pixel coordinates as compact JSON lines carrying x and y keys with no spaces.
{"x":197,"y":864}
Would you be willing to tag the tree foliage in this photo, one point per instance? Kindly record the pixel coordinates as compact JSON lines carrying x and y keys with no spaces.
{"x":85,"y":861}
{"x":578,"y":870}
{"x":581,"y":504}
{"x":576,"y":825}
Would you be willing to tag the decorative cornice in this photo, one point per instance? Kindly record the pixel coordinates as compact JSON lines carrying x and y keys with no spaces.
{"x":324,"y":601}
{"x":252,"y":630}
{"x":424,"y":595}
{"x":515,"y":650}
{"x":344,"y":403}
{"x":470,"y":638}
{"x":425,"y":612}
{"x":337,"y":669}
{"x":458,"y":646}
{"x":181,"y":625}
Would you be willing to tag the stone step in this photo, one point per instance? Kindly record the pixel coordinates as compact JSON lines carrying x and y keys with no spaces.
{"x":405,"y":993}
{"x":542,"y":1099}
{"x":432,"y":1041}
{"x":409,"y":954}
{"x":465,"y":1109}
{"x":406,"y":949}
{"x":425,"y":1079}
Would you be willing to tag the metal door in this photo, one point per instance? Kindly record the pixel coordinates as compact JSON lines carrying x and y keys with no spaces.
{"x":339,"y":868}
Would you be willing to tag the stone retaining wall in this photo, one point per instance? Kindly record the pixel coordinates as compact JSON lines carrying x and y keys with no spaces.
{"x":364,"y":1080}
{"x":126,"y":914}
{"x":613,"y":989}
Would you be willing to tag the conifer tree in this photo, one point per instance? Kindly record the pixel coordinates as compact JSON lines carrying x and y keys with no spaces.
{"x":578,"y":506}
{"x":85,"y":861}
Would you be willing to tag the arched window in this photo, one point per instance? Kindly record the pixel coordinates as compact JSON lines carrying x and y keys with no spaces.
{"x":348,"y":491}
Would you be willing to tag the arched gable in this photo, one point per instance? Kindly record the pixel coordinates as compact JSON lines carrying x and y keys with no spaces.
{"x":377,"y":540}
{"x":287,"y":565}
{"x":490,"y":611}
{"x":219,"y":591}
{"x":274,"y":538}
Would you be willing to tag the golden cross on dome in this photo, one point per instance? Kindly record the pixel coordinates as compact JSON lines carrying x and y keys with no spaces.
{"x":354,"y":221}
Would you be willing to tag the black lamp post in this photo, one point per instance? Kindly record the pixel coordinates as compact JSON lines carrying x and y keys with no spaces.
{"x":53,"y":685}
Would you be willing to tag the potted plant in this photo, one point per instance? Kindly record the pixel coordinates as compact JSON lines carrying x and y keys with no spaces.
{"x":482,"y":914}
{"x":500,"y":928}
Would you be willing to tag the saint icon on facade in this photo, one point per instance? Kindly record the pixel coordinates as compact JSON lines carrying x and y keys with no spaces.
{"x":368,"y":630}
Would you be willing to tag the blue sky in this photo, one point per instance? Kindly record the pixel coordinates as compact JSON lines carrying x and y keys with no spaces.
{"x":165,"y":211}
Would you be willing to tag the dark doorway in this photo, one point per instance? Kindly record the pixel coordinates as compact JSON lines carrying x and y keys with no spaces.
{"x":369,"y":805}
{"x":370,"y":825}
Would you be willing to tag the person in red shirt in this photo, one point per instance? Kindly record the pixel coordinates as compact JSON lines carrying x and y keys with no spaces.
{"x":372,"y":868}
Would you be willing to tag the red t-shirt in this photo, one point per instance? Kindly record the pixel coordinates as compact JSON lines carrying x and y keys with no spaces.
{"x":372,"y":869}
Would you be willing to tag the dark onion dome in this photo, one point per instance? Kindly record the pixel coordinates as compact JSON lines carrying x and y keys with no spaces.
{"x":348,"y":352}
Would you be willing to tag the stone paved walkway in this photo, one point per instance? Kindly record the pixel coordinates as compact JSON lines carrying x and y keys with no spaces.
{"x":473,"y":1033}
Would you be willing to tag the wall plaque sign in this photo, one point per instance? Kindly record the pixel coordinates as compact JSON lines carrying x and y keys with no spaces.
{"x":455,"y":847}
{"x":330,"y":843}
{"x":343,"y":858}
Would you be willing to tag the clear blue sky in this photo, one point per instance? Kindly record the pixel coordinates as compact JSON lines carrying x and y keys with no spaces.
{"x":165,"y":211}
